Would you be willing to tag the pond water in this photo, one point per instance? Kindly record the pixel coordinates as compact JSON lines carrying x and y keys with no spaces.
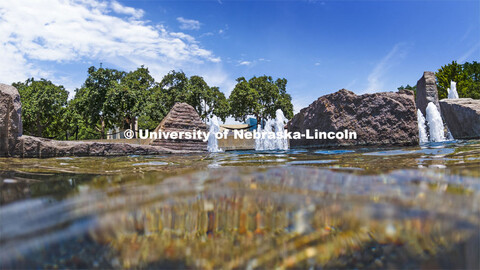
{"x":375,"y":208}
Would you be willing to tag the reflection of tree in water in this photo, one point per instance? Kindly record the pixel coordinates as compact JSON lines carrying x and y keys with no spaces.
{"x":254,"y":229}
{"x":23,"y":186}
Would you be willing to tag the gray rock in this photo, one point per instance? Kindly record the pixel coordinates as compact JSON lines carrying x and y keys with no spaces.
{"x":462,"y":117}
{"x":10,"y":118}
{"x":378,"y":119}
{"x":427,"y":92}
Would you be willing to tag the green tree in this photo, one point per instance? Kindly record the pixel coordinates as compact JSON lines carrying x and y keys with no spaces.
{"x":446,"y":74}
{"x":127,"y":100}
{"x":177,"y":87}
{"x":43,"y":107}
{"x":284,"y":102}
{"x":92,"y":98}
{"x":174,"y":88}
{"x":243,"y":101}
{"x":219,"y":105}
{"x":75,"y":125}
{"x":260,"y":96}
{"x":472,"y":85}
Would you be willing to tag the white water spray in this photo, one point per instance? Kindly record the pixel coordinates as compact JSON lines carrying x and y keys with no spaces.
{"x":422,"y":128}
{"x":272,"y":125}
{"x":212,"y":145}
{"x":435,"y":123}
{"x":452,"y":91}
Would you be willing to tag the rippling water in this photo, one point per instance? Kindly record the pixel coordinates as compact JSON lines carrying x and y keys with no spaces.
{"x":304,"y":208}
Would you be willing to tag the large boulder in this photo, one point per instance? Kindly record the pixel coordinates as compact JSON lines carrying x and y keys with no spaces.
{"x":181,"y":118}
{"x":462,"y":117}
{"x":427,"y":92}
{"x":34,"y":147}
{"x":10,"y":118}
{"x":378,"y":119}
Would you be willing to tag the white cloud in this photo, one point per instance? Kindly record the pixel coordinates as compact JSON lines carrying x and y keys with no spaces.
{"x":396,"y":54}
{"x":317,"y":64}
{"x":36,"y":35}
{"x":121,"y":9}
{"x":187,"y":24}
{"x":244,"y":63}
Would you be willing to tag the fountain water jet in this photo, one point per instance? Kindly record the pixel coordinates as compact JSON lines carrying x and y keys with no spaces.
{"x":422,"y":128}
{"x":276,"y":125}
{"x":212,"y":145}
{"x":435,"y":123}
{"x":452,"y":91}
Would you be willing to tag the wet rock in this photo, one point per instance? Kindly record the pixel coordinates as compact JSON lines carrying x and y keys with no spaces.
{"x":182,"y":118}
{"x":427,"y":92}
{"x":462,"y":117}
{"x":10,"y":118}
{"x":386,"y":118}
{"x":34,"y":147}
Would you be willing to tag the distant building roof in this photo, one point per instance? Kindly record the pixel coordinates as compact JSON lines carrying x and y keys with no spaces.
{"x":238,"y":126}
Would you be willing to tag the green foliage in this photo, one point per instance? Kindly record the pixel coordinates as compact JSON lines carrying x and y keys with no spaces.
{"x":127,"y":100}
{"x":243,"y":100}
{"x":177,"y":87}
{"x":111,"y":98}
{"x":466,"y":76}
{"x":260,"y":96}
{"x":174,"y":88}
{"x":92,"y":101}
{"x":43,"y":107}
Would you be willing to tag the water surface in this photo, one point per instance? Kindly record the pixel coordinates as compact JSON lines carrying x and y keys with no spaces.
{"x":412,"y":207}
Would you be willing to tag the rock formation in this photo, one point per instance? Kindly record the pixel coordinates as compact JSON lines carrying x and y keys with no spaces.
{"x":13,"y":144}
{"x":10,"y":119}
{"x":462,"y":117}
{"x":182,"y":117}
{"x":378,"y":119}
{"x":34,"y":147}
{"x":427,"y":92}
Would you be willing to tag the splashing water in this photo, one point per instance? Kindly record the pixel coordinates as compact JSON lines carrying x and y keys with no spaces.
{"x":452,"y":91}
{"x":272,"y":126}
{"x":422,"y":128}
{"x":212,"y":145}
{"x":435,"y":123}
{"x":280,"y":122}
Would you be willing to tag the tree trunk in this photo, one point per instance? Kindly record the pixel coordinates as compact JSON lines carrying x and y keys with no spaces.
{"x":132,"y":126}
{"x":102,"y":131}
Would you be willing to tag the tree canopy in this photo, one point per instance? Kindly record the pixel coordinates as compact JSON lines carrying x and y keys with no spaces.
{"x":467,"y":77}
{"x":43,"y":105}
{"x":177,"y":87}
{"x":261,"y":97}
{"x":92,"y":101}
{"x":111,"y":98}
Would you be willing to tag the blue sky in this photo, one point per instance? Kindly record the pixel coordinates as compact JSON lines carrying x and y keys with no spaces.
{"x":319,"y":46}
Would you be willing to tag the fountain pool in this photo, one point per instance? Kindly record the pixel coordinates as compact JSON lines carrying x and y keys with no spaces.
{"x":391,"y":207}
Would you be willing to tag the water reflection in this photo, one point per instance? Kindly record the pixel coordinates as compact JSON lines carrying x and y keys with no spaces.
{"x":415,"y":207}
{"x":249,"y":218}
